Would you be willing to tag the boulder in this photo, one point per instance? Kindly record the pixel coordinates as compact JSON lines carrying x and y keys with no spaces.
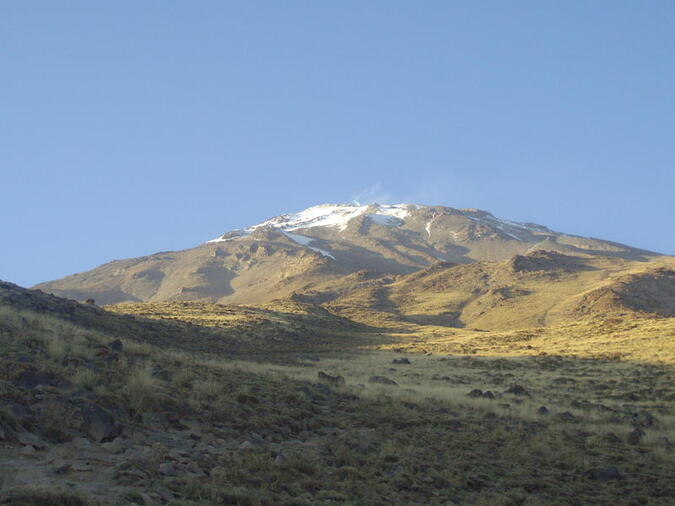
{"x":116,"y":345}
{"x":401,"y":361}
{"x":635,"y":436}
{"x":382,"y":380}
{"x":517,"y":390}
{"x":604,"y":474}
{"x":331,"y":380}
{"x":28,"y":439}
{"x":98,"y":424}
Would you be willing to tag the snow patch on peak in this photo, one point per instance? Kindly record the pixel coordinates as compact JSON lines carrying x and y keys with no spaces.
{"x":304,"y":241}
{"x":328,"y":215}
{"x":391,"y":215}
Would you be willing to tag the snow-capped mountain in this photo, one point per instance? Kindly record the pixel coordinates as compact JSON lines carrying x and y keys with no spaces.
{"x":296,"y":252}
{"x":339,"y":216}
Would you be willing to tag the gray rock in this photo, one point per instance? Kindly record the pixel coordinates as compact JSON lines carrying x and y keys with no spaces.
{"x":195,"y":470}
{"x":61,"y":467}
{"x":81,"y":467}
{"x":82,"y":444}
{"x":27,"y":451}
{"x":165,"y":494}
{"x":65,"y":452}
{"x":247,"y":445}
{"x":168,"y":469}
{"x":401,"y":361}
{"x":543,"y":410}
{"x":476,"y":392}
{"x":99,"y":425}
{"x":382,"y":380}
{"x":517,"y":390}
{"x":604,"y":474}
{"x":635,"y":436}
{"x":26,"y":438}
{"x":331,"y":380}
{"x":116,"y":345}
{"x":610,"y":437}
{"x":115,"y":446}
{"x":31,"y":379}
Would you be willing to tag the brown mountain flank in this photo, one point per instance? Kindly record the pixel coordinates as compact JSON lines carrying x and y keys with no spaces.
{"x":306,"y":250}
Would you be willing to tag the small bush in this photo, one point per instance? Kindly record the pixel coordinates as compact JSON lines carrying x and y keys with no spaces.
{"x":142,"y":388}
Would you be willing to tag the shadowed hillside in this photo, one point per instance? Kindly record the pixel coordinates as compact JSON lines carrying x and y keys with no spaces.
{"x":98,"y":408}
{"x":539,"y":289}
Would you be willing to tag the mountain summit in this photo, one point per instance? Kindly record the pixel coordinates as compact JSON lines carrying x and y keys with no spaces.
{"x":295,"y":252}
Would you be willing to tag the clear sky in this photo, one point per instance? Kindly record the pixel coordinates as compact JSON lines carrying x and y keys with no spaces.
{"x":131,"y":127}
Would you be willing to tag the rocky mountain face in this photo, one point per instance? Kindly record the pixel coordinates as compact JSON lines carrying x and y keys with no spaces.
{"x":296,"y":252}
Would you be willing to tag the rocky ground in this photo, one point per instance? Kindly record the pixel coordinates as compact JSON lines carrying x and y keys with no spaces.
{"x":90,"y":418}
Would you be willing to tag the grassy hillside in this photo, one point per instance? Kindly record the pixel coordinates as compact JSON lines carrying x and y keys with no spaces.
{"x":90,"y":416}
{"x":542,"y":288}
{"x":540,"y":303}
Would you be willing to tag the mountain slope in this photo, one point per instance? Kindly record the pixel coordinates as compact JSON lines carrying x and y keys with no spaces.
{"x":295,"y":252}
{"x":539,"y":289}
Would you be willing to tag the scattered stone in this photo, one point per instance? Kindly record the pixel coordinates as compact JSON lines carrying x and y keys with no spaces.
{"x":99,"y":425}
{"x":635,"y":436}
{"x":90,"y":302}
{"x":604,"y":474}
{"x":410,"y":405}
{"x":168,"y":469}
{"x":31,"y":379}
{"x":517,"y":390}
{"x":331,"y":380}
{"x":61,"y":468}
{"x":401,"y":361}
{"x":81,"y":467}
{"x":247,"y":445}
{"x":543,"y":410}
{"x":280,"y":459}
{"x":382,"y":380}
{"x":82,"y":444}
{"x":116,"y":345}
{"x":247,"y":399}
{"x":488,"y":395}
{"x":63,"y":452}
{"x":643,"y":419}
{"x":148,"y":499}
{"x":165,"y":494}
{"x":195,"y":469}
{"x":567,"y":417}
{"x":26,"y":438}
{"x":115,"y":446}
{"x":610,"y":437}
{"x":27,"y":451}
{"x":476,"y":392}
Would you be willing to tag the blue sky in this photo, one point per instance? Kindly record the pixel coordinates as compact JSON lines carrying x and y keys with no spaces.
{"x":132,"y":127}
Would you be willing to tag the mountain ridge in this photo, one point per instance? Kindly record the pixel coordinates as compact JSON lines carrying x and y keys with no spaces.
{"x":293,"y":252}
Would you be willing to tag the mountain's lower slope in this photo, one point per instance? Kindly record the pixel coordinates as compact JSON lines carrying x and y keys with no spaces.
{"x":539,"y":289}
{"x":322,"y":244}
{"x":282,"y":326}
{"x":96,"y":408}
